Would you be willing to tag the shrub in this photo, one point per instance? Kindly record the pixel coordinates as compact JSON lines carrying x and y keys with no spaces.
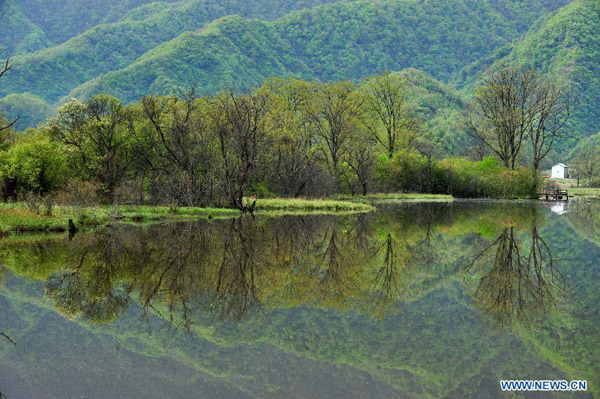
{"x":79,"y":193}
{"x":407,"y":171}
{"x":488,"y":178}
{"x":484,"y":179}
{"x":38,"y":164}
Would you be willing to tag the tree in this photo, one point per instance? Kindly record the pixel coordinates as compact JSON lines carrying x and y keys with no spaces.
{"x":549,"y":114}
{"x":516,"y":104}
{"x":38,"y":164}
{"x":5,"y":126}
{"x":361,"y":160}
{"x":243,"y":132}
{"x":294,"y":161}
{"x":335,"y":116}
{"x":518,"y":280}
{"x":175,"y":141}
{"x":98,"y":133}
{"x":386,"y":100}
{"x":587,"y":163}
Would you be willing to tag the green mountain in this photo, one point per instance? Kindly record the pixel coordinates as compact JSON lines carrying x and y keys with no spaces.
{"x":30,"y":109}
{"x":19,"y":35}
{"x":565,"y":45}
{"x":76,"y":48}
{"x":568,"y":47}
{"x":212,"y":58}
{"x":336,"y":41}
{"x":440,"y":107}
{"x":54,"y":71}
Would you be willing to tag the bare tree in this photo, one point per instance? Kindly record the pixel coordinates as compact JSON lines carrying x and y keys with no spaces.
{"x":386,"y":99}
{"x":243,"y":132}
{"x":4,"y":126}
{"x":549,"y":114}
{"x":361,"y":159}
{"x":178,"y":147}
{"x":514,"y":105}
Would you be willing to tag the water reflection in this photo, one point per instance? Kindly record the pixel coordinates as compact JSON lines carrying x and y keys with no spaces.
{"x":232,"y":269}
{"x":560,"y":208}
{"x":412,"y":295}
{"x":519,"y":278}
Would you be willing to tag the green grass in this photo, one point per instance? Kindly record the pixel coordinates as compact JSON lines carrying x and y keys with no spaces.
{"x":571,"y":186}
{"x":394,"y":197}
{"x":149,"y":213}
{"x":18,"y":218}
{"x":585,"y":192}
{"x":310,"y":205}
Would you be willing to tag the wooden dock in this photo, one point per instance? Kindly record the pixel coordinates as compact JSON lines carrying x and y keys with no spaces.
{"x":554,"y":195}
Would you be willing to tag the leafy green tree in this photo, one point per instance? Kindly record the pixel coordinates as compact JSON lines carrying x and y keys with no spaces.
{"x":38,"y":163}
{"x":392,"y":123}
{"x":362,"y":161}
{"x":97,"y":134}
{"x":335,"y":113}
{"x":294,"y":160}
{"x":587,"y":164}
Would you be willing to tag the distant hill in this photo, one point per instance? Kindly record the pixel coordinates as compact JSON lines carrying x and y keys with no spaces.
{"x":342,"y":40}
{"x":30,"y":109}
{"x":130,"y":48}
{"x":567,"y":46}
{"x":440,"y":107}
{"x":333,"y":42}
{"x":54,"y":71}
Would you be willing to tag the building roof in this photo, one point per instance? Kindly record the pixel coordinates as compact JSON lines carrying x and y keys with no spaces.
{"x":561,"y":164}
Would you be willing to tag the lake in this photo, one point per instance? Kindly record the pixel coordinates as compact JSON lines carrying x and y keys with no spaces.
{"x":416,"y":300}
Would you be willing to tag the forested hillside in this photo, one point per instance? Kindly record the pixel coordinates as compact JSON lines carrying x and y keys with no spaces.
{"x":567,"y":46}
{"x":55,"y":22}
{"x":336,"y":42}
{"x":133,"y":48}
{"x":440,"y":107}
{"x":53,"y":72}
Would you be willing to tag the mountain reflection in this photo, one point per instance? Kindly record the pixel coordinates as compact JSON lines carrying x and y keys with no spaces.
{"x":239,"y":268}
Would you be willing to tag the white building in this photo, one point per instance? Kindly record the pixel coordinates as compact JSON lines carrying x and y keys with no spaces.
{"x":560,"y":171}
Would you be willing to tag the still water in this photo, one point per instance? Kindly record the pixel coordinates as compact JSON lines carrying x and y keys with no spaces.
{"x":430,"y":300}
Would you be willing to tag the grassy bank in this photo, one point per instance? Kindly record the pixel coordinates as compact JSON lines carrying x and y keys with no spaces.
{"x":394,"y":197}
{"x":571,"y":186}
{"x":296,"y":205}
{"x":584,"y":192}
{"x":18,"y":218}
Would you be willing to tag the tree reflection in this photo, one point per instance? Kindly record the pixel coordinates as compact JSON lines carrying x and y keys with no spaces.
{"x":228,"y":269}
{"x":234,"y":269}
{"x":519,"y":279}
{"x":385,"y":286}
{"x":236,"y":292}
{"x":88,"y":288}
